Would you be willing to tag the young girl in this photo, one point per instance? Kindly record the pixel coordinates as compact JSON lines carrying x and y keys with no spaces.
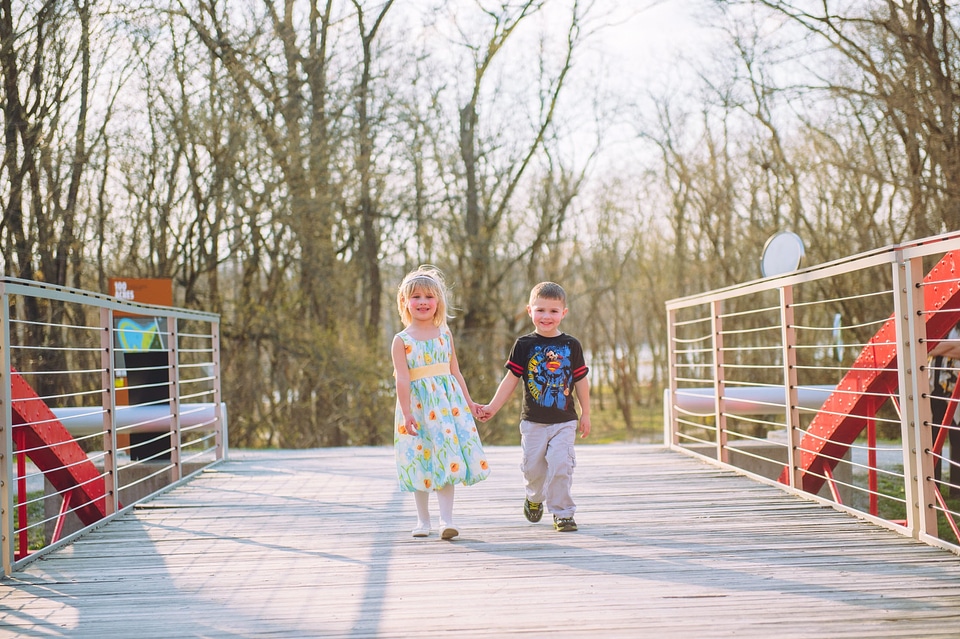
{"x":436,"y":438}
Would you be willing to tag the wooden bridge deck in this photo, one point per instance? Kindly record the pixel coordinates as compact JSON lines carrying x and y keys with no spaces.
{"x":317,"y":544}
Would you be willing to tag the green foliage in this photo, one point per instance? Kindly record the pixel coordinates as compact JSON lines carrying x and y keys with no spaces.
{"x":607,"y":425}
{"x":891,"y":509}
{"x":293,"y":383}
{"x":35,"y":536}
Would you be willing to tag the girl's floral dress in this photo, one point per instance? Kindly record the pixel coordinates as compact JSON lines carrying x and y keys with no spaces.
{"x":447,"y":448}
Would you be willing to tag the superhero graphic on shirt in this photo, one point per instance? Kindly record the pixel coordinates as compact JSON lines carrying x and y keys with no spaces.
{"x":548,"y":376}
{"x":549,"y":368}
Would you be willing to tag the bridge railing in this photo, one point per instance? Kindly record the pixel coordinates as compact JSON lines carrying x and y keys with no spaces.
{"x":105,"y":403}
{"x":819,"y":381}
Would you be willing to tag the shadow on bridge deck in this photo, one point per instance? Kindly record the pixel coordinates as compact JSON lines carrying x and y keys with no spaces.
{"x":317,"y":543}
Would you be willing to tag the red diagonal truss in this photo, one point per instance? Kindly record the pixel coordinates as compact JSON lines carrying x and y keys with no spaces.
{"x":845,"y":413}
{"x":54,"y":451}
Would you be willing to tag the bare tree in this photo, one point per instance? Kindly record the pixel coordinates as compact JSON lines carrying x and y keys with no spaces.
{"x":507,"y":187}
{"x":899,"y":58}
{"x":40,"y":65}
{"x":51,"y":66}
{"x":305,"y":205}
{"x":369,"y":232}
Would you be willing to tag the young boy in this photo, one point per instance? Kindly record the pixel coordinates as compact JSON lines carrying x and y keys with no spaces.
{"x":551,"y":365}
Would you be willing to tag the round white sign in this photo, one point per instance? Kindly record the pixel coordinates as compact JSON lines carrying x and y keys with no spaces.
{"x":781,"y":254}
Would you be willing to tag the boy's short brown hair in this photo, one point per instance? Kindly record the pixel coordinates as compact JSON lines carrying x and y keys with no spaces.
{"x":548,"y":291}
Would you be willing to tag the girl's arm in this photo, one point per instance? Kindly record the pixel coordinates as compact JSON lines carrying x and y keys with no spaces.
{"x":402,"y":374}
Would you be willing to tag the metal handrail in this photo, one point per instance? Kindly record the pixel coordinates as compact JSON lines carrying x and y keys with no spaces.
{"x":70,"y":362}
{"x":736,"y":401}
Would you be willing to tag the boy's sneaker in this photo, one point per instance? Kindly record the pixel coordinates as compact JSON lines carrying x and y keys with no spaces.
{"x":533,"y":512}
{"x":564,"y":524}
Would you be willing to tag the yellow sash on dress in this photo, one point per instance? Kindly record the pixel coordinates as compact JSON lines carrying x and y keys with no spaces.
{"x":433,"y":370}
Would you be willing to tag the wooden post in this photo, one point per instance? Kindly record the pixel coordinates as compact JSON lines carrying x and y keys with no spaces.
{"x":719,"y":388}
{"x":791,"y":399}
{"x":109,"y":402}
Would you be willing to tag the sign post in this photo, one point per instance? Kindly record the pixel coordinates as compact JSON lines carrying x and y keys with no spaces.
{"x":139,"y":342}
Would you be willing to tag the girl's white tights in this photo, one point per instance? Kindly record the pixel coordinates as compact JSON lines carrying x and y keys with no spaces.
{"x":444,"y":500}
{"x":422,"y":498}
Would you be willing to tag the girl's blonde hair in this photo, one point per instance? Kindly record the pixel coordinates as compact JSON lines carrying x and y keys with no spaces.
{"x":428,"y":279}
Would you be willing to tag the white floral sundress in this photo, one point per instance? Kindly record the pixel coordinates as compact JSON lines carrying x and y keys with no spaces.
{"x":447,"y":448}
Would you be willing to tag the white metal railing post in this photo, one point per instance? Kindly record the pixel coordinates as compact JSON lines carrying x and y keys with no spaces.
{"x":670,"y":435}
{"x":86,"y":421}
{"x":895,"y":354}
{"x":719,"y":388}
{"x":914,"y":386}
{"x":221,"y":423}
{"x":6,"y":441}
{"x":173,"y":363}
{"x":791,"y":398}
{"x":108,"y":403}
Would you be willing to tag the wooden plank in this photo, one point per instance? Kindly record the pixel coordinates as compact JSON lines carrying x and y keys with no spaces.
{"x":317,"y":544}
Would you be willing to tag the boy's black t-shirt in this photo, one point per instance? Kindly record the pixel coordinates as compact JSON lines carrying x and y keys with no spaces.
{"x":548,"y":367}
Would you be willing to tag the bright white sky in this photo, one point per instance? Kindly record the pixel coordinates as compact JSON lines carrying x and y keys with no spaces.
{"x":640,"y":49}
{"x":650,"y":42}
{"x":637,"y":39}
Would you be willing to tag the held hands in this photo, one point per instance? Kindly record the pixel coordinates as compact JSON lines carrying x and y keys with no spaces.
{"x":483,"y":412}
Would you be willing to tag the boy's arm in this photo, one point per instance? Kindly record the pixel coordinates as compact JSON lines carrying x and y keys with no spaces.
{"x":402,"y":374}
{"x":582,"y":388}
{"x":504,"y":390}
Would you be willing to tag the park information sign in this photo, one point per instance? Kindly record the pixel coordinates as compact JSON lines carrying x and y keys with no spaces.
{"x":139,"y":339}
{"x":144,"y":290}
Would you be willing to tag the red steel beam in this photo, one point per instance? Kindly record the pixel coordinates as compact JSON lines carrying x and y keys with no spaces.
{"x":54,"y":451}
{"x":847,"y":410}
